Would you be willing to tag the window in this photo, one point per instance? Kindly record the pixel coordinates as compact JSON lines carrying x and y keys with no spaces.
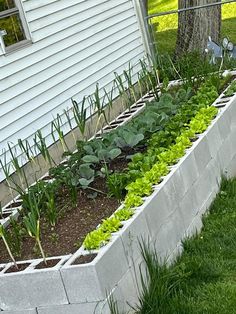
{"x":13,"y":30}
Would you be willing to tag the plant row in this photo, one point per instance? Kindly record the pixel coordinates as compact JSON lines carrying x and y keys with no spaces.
{"x":143,"y":186}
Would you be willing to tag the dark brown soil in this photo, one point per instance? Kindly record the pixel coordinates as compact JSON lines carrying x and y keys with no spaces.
{"x":50,"y":263}
{"x":74,"y":224}
{"x":84,"y":259}
{"x":21,"y":267}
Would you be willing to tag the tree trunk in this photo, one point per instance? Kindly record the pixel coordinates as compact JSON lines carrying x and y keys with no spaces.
{"x":195,"y":26}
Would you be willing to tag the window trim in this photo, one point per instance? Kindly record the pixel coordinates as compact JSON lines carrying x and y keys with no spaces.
{"x":23,"y":43}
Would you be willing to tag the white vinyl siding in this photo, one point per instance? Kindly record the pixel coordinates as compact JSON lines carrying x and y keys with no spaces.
{"x":76,"y":43}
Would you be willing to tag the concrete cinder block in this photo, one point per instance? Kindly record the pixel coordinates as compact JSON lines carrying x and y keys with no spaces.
{"x":202,"y":154}
{"x":134,"y":230}
{"x":189,"y":207}
{"x":176,"y":253}
{"x":231,"y":168}
{"x":214,"y":139}
{"x":195,"y":227}
{"x":92,"y":282}
{"x":79,"y":308}
{"x":126,"y":293}
{"x":226,"y":153}
{"x":31,"y":289}
{"x":169,"y":235}
{"x":111,"y":265}
{"x":208,"y":184}
{"x":188,"y":173}
{"x":81,"y":283}
{"x":157,"y":209}
{"x":232,"y":113}
{"x":223,"y":123}
{"x":31,"y":311}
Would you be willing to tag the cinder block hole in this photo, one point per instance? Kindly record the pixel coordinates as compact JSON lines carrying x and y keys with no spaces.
{"x":139,"y":104}
{"x":222,"y":101}
{"x":15,"y":204}
{"x":5,"y":215}
{"x":220,"y":105}
{"x":115,"y":123}
{"x":20,"y":267}
{"x":225,"y":96}
{"x":84,"y":259}
{"x":50,"y":263}
{"x":110,"y":127}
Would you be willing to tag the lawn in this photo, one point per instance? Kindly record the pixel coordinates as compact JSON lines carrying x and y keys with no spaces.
{"x":165,"y":27}
{"x":202,"y":280}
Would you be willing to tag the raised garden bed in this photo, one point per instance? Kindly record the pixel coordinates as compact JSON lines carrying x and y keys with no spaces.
{"x":164,"y":218}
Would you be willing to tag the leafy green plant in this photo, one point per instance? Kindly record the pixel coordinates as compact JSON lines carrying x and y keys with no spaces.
{"x":156,"y":172}
{"x":132,"y":200}
{"x":96,"y":151}
{"x":95,"y":239}
{"x":127,"y":138}
{"x":141,"y":187}
{"x":51,"y":211}
{"x":110,"y":225}
{"x":86,"y":175}
{"x":124,"y":214}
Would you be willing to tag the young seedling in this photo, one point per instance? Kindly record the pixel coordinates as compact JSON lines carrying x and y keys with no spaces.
{"x":51,"y":210}
{"x":41,"y":145}
{"x":32,"y":225}
{"x":57,"y":127}
{"x":99,"y":107}
{"x":3,"y":236}
{"x":80,"y":115}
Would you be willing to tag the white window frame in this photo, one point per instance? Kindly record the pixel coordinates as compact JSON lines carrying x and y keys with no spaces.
{"x":17,"y":10}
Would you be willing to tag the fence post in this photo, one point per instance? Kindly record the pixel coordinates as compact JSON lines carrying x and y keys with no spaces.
{"x":144,"y":28}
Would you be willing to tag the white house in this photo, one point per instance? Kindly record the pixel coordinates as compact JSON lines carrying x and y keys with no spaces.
{"x":61,"y":50}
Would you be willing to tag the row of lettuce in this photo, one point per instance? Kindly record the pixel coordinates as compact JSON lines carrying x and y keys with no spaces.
{"x":165,"y":148}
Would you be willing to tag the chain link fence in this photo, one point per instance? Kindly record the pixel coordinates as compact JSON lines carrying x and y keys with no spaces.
{"x":168,"y":35}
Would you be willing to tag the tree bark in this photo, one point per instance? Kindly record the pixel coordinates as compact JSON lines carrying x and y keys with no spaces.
{"x":195,"y":26}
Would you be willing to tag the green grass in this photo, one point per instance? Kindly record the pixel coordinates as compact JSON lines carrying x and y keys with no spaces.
{"x":203,"y":280}
{"x":165,"y":27}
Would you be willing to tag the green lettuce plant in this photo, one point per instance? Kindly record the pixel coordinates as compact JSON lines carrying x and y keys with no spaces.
{"x":110,"y":225}
{"x":141,"y":187}
{"x":132,"y":200}
{"x":96,"y":239}
{"x":124,"y":214}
